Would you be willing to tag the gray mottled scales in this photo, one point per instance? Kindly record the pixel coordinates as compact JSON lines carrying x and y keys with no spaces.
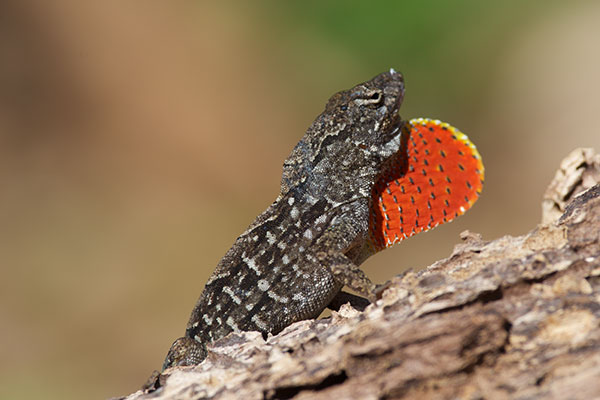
{"x":294,"y":259}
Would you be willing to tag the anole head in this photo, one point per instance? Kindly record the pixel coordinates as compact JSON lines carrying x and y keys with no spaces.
{"x":372,"y":105}
{"x":347,"y":144}
{"x":372,"y":110}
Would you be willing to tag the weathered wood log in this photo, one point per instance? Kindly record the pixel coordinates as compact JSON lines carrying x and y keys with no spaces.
{"x":512,"y":318}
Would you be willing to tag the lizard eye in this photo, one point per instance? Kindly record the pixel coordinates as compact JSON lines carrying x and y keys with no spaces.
{"x":371,"y":97}
{"x":375,"y":97}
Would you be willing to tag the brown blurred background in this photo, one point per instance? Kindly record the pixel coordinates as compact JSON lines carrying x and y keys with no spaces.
{"x":138,"y":139}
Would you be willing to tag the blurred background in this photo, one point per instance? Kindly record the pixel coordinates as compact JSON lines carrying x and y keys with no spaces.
{"x":139,"y":139}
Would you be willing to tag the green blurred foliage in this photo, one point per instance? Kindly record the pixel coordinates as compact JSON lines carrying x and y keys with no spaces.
{"x":451,"y":48}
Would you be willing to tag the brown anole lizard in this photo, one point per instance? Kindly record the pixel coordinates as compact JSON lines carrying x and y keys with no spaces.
{"x":297,"y":255}
{"x":331,"y":214}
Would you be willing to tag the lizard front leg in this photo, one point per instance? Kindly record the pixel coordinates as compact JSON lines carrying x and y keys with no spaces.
{"x":347,"y":231}
{"x":348,"y":274}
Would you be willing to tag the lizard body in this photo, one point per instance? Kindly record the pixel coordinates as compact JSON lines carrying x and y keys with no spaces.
{"x":297,"y":255}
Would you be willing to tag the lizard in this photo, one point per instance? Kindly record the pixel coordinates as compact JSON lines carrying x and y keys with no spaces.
{"x":330,"y":215}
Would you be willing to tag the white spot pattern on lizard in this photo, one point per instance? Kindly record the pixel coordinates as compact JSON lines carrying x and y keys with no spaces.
{"x":263,"y":285}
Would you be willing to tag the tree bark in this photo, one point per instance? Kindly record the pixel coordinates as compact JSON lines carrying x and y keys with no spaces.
{"x":512,"y":318}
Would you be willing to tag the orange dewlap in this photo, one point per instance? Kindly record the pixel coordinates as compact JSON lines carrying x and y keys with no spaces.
{"x":436,"y":177}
